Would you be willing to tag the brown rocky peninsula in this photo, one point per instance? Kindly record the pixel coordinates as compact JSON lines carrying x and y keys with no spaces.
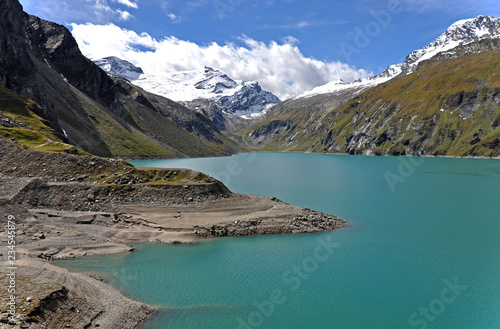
{"x":67,"y":206}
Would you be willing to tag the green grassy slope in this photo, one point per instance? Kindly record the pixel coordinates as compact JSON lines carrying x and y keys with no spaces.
{"x":20,"y":123}
{"x":446,"y":107}
{"x":41,"y":61}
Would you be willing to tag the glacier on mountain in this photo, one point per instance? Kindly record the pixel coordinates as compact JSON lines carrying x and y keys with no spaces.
{"x":119,"y":67}
{"x":241,"y":98}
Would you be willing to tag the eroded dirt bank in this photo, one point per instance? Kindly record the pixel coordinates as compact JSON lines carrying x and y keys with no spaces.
{"x":68,"y":206}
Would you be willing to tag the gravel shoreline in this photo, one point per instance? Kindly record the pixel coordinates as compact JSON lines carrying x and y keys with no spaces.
{"x":70,"y":206}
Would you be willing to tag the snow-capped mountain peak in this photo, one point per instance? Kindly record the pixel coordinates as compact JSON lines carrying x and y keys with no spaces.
{"x":459,"y":33}
{"x":474,"y":29}
{"x":226,"y":95}
{"x":215,"y":81}
{"x":120,"y":67}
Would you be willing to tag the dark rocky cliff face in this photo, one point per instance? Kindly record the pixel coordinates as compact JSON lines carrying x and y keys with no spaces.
{"x":11,"y":34}
{"x":16,"y":63}
{"x":55,"y":43}
{"x":27,"y":41}
{"x":41,"y":61}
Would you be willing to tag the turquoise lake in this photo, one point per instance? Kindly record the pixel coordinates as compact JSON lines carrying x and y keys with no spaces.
{"x":422,"y":249}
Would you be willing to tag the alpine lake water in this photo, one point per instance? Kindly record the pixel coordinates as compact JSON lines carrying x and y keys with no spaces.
{"x":422,"y":249}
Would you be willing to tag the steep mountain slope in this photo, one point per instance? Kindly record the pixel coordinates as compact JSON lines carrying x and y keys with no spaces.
{"x":445,"y":105}
{"x":460,"y":33}
{"x":290,"y":123}
{"x":40,"y":60}
{"x":207,"y":90}
{"x":20,"y":122}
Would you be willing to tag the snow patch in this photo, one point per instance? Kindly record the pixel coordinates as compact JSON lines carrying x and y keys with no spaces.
{"x":340,"y":85}
{"x":459,"y":33}
{"x":46,"y":61}
{"x":231,"y":96}
{"x":190,"y":85}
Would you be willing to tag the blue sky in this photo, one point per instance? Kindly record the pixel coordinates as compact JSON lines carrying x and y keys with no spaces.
{"x":322,"y":35}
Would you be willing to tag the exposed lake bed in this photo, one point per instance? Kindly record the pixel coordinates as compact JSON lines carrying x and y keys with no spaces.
{"x":421,"y":244}
{"x":434,"y":234}
{"x":71,"y":207}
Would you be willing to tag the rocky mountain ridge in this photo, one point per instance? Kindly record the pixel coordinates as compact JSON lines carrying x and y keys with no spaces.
{"x":364,"y":118}
{"x":459,"y":33}
{"x":41,"y":61}
{"x":226,"y":95}
{"x":120,"y":68}
{"x":53,"y":96}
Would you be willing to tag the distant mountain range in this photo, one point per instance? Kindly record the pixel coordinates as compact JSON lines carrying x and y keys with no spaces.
{"x":226,"y":95}
{"x":442,"y":100}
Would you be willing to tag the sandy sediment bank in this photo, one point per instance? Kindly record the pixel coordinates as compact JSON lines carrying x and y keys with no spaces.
{"x":61,"y":234}
{"x":63,"y":299}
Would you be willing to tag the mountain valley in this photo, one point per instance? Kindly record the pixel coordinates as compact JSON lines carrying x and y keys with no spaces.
{"x":442,"y":100}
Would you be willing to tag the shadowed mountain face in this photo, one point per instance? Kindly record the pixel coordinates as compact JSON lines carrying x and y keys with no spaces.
{"x":41,"y":61}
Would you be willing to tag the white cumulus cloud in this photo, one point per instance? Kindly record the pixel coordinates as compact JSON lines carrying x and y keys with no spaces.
{"x":127,"y":3}
{"x":124,"y":15}
{"x":173,"y":17}
{"x":279,"y":67}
